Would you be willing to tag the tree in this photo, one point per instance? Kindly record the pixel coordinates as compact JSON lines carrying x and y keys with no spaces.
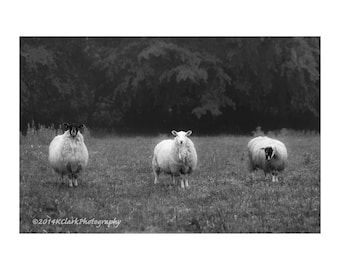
{"x":145,"y":83}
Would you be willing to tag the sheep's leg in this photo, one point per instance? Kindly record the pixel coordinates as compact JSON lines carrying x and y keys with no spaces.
{"x":75,"y":181}
{"x":70,"y":184}
{"x":156,"y":177}
{"x":70,"y":174}
{"x":155,"y":169}
{"x":173,"y":179}
{"x":60,"y":177}
{"x":75,"y":175}
{"x":186,"y":182}
{"x":274,"y":177}
{"x":182,"y":182}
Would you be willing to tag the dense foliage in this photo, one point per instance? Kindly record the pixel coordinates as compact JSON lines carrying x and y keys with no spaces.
{"x":156,"y":84}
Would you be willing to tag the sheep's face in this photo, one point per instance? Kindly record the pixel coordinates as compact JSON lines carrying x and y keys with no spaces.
{"x":73,"y":129}
{"x":181,"y":136}
{"x":269,"y":152}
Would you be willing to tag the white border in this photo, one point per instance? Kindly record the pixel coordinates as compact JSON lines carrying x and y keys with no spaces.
{"x":179,"y":18}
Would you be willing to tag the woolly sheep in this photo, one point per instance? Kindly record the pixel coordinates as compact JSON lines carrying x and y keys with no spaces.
{"x":267,"y":154}
{"x":68,"y":154}
{"x":175,"y":157}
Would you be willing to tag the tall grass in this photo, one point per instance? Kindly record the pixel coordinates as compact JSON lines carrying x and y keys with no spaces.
{"x":284,"y":132}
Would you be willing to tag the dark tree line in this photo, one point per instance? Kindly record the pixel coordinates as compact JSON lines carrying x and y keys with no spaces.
{"x":156,"y":84}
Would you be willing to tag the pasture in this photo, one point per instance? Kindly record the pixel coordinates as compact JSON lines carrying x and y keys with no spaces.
{"x":223,"y":197}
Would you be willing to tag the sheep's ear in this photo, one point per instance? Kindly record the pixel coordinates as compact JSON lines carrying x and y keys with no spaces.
{"x":66,"y":126}
{"x":81,"y":126}
{"x":189,"y":132}
{"x":174,"y":132}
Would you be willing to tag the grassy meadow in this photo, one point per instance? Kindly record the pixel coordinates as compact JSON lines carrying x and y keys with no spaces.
{"x":222,"y":197}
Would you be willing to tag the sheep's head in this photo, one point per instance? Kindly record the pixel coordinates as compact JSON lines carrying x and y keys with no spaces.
{"x":181,"y":136}
{"x":181,"y":145}
{"x":73,"y":128}
{"x":269,"y":152}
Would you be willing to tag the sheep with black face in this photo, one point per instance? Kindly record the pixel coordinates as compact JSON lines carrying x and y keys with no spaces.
{"x":267,"y":154}
{"x":175,"y":157}
{"x":68,"y":154}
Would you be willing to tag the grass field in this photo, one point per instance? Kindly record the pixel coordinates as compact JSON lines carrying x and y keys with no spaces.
{"x":118,"y":186}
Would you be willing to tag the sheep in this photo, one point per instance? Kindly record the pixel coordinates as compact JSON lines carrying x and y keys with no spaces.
{"x":68,"y":154}
{"x":175,"y":157}
{"x":267,"y":154}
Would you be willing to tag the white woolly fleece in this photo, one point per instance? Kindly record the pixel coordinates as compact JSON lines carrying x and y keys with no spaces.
{"x":68,"y":155}
{"x":172,"y":157}
{"x":257,"y":157}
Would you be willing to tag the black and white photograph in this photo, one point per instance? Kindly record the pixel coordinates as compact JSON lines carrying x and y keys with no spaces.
{"x":170,"y":134}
